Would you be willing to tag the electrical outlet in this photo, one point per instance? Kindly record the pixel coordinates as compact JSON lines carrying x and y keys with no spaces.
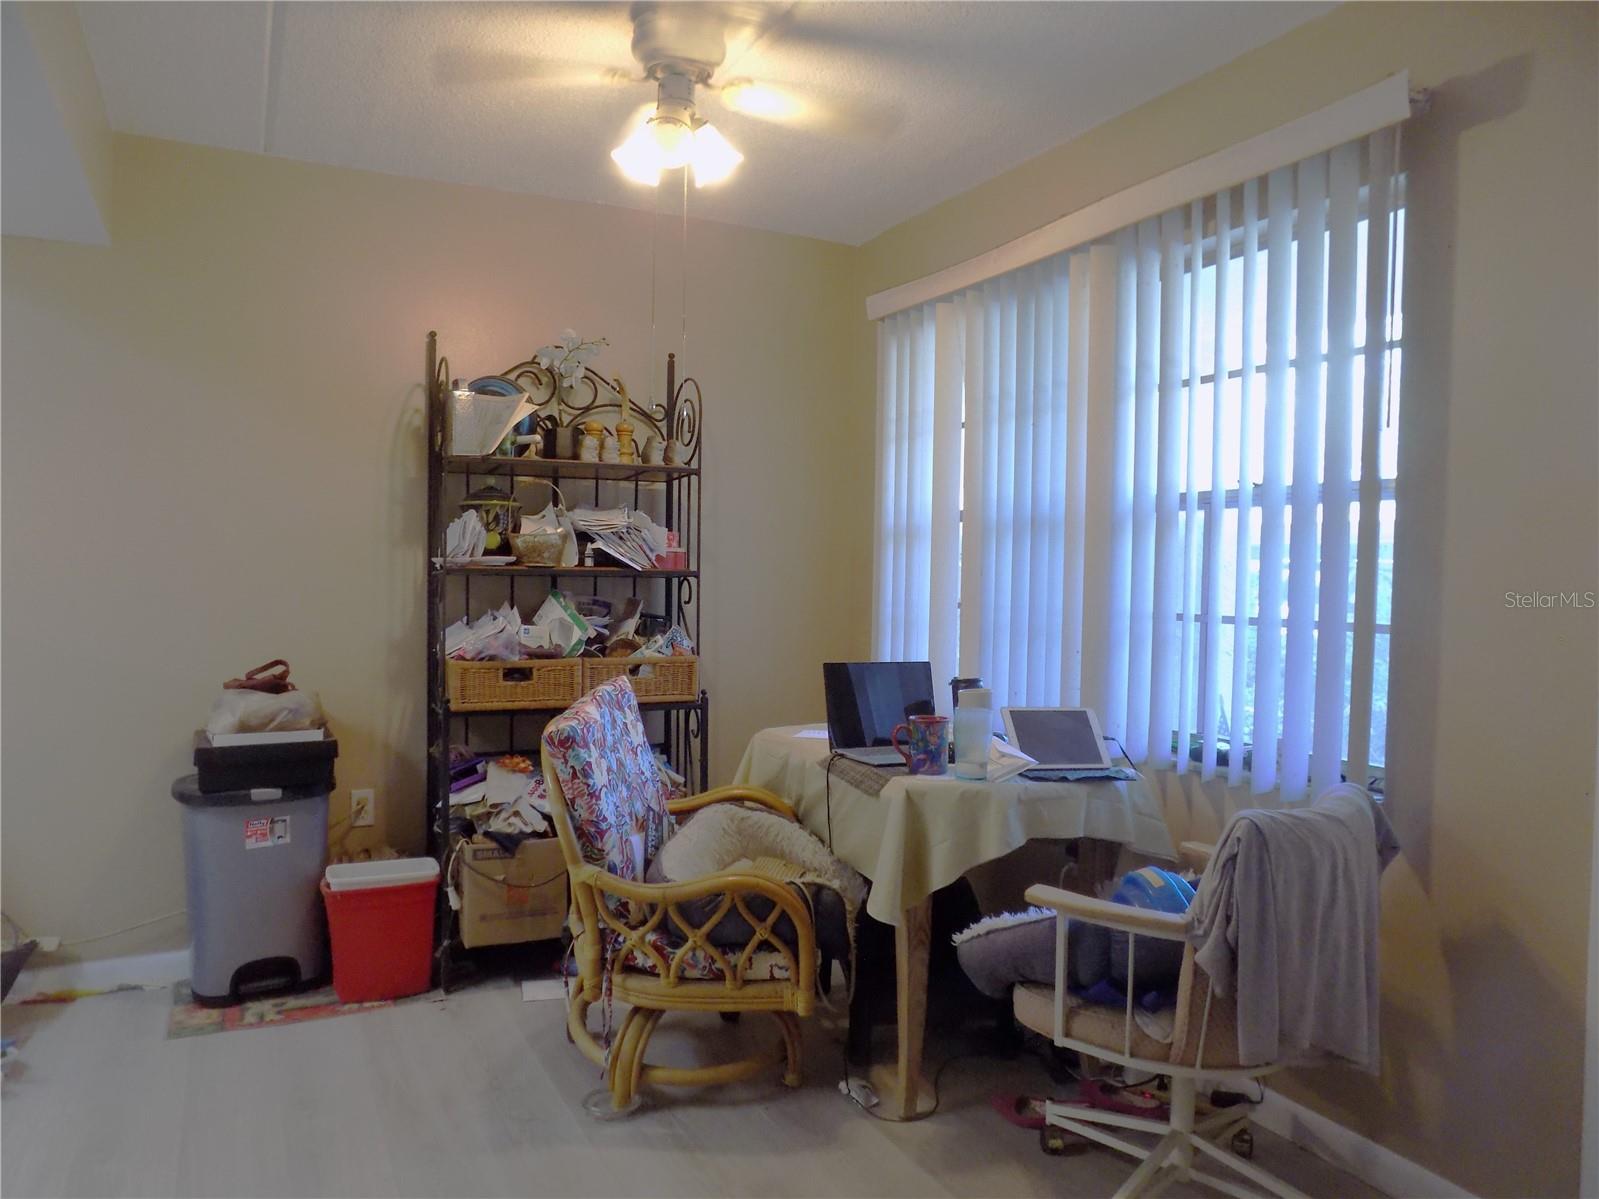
{"x":363,"y":808}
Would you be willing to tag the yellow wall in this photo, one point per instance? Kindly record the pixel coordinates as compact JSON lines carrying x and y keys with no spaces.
{"x":213,"y":456}
{"x":1493,"y":710}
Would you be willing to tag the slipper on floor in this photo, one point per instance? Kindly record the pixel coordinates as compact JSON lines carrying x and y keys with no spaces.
{"x":1024,"y":1111}
{"x":1128,"y":1103}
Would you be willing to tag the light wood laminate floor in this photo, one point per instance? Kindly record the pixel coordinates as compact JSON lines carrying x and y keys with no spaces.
{"x":480,"y":1094}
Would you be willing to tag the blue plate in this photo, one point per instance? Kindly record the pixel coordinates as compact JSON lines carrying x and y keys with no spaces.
{"x":494,"y":385}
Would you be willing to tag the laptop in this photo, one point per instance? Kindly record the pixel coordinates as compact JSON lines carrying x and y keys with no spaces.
{"x":1058,"y":738}
{"x":866,"y":700}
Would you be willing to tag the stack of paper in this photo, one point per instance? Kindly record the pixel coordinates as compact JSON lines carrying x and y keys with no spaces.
{"x":478,"y":423}
{"x":628,"y":536}
{"x":466,"y":536}
{"x":493,"y":637}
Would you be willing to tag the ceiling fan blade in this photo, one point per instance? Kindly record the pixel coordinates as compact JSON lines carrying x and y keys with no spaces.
{"x":796,"y":109}
{"x":455,"y":65}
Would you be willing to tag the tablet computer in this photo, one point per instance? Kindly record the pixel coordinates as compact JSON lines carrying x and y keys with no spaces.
{"x":1058,"y":738}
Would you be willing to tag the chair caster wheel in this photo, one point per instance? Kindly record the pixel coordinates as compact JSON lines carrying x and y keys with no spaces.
{"x":1057,"y":1142}
{"x":1243,"y":1143}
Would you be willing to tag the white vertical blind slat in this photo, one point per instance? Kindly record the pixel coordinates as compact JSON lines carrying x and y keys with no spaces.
{"x":1074,"y":496}
{"x":1381,"y":148}
{"x":977,"y":516}
{"x":1273,"y":489}
{"x":944,"y":500}
{"x":900,"y":595}
{"x":1006,"y":490}
{"x":1343,"y":193}
{"x":1310,"y":313}
{"x":1146,"y":380}
{"x":1243,"y":539}
{"x":992,"y":325}
{"x":1115,"y":359}
{"x":887,"y":447}
{"x":1187,"y":684}
{"x":1044,"y":658}
{"x":1049,"y":593}
{"x":1165,"y":641}
{"x":920,"y":501}
{"x":1215,"y":511}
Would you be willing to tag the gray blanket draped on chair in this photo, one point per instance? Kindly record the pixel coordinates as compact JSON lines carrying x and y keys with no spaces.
{"x":1286,"y":919}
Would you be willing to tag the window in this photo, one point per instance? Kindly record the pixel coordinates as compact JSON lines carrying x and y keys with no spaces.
{"x":1236,"y":728}
{"x":1104,"y":477}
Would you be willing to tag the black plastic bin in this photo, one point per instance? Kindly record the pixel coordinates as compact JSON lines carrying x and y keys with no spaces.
{"x":280,"y":764}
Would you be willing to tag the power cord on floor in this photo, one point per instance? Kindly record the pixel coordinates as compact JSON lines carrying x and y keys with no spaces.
{"x":846,"y":1086}
{"x":117,"y":932}
{"x":18,"y":936}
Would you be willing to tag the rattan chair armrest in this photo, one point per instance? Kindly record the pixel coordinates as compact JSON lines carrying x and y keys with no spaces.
{"x":1196,"y":855}
{"x":735,"y":794}
{"x":1142,"y":921}
{"x":738,"y":882}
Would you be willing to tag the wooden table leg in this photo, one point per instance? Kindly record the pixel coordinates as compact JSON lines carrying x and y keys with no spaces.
{"x":1096,"y":864}
{"x":899,"y":1085}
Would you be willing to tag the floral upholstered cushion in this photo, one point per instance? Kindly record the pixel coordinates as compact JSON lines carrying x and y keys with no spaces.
{"x":610,"y":779}
{"x":765,"y":964}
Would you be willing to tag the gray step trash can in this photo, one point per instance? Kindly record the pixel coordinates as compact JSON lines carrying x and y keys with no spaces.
{"x":254,"y":860}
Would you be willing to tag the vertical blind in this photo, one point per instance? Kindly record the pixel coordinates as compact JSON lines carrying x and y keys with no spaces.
{"x":1147,"y":475}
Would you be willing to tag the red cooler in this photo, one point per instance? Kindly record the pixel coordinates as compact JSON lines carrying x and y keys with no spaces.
{"x":380,"y":919}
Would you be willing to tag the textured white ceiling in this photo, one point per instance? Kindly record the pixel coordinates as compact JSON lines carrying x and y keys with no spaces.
{"x":905,"y":104}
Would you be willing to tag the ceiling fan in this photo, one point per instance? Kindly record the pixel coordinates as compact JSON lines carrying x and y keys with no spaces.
{"x":689,"y":51}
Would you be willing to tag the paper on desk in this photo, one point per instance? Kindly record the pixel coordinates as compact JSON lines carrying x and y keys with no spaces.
{"x":478,"y":423}
{"x":1006,"y":761}
{"x":816,"y":734}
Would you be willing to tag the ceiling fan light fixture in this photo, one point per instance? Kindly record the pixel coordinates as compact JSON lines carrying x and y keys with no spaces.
{"x":639,"y":157}
{"x":674,"y":141}
{"x":671,"y":137}
{"x":714,"y":156}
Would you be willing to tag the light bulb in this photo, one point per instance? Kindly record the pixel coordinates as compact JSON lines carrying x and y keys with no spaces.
{"x":674,"y":142}
{"x":639,"y":157}
{"x":714,"y":156}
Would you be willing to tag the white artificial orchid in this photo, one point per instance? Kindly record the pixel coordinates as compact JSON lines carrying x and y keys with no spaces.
{"x":570,"y":356}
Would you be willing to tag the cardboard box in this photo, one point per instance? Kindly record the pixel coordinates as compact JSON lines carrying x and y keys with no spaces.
{"x":506,"y":900}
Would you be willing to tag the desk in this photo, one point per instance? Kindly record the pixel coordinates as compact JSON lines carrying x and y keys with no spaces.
{"x":919,"y":834}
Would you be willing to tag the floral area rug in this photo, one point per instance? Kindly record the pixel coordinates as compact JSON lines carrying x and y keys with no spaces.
{"x":190,"y":1019}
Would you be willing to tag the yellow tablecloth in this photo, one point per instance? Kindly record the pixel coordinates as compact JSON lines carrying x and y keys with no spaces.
{"x":921,"y":833}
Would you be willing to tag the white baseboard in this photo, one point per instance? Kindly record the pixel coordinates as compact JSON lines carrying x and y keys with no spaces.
{"x":145,"y":969}
{"x":1368,"y":1161}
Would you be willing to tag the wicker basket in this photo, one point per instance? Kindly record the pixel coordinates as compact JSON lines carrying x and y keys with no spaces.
{"x":535,"y":683}
{"x":654,"y":679}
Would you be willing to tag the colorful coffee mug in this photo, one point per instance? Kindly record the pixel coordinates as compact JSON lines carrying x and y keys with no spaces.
{"x":928,"y":738}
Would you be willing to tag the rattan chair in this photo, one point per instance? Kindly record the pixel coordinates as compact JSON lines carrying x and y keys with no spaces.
{"x":633,"y":943}
{"x":1204,"y":1042}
